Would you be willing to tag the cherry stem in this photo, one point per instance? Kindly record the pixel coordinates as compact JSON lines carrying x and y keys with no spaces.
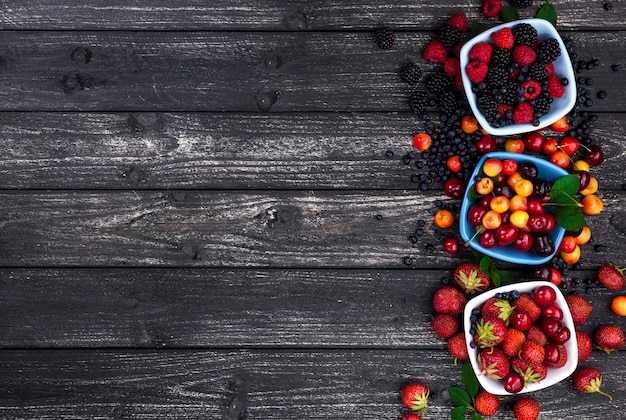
{"x":480,"y":230}
{"x":576,"y":202}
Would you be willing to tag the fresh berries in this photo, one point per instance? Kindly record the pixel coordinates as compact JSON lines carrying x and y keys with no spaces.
{"x":481,"y":52}
{"x":415,"y":396}
{"x":503,"y":38}
{"x":476,"y":71}
{"x":555,"y":87}
{"x":449,"y":300}
{"x":410,"y":73}
{"x":548,"y":51}
{"x":470,"y":279}
{"x":435,"y":52}
{"x":459,"y":21}
{"x":588,"y":380}
{"x":384,"y":38}
{"x":524,"y":55}
{"x":486,"y":403}
{"x":491,"y":8}
{"x":609,"y":338}
{"x":585,"y":346}
{"x":611,"y":277}
{"x":457,"y":346}
{"x":579,"y":307}
{"x":493,"y":363}
{"x":445,"y":325}
{"x":523,"y":113}
{"x":526,"y":409}
{"x":411,"y":416}
{"x":489,"y":332}
{"x":525,"y":34}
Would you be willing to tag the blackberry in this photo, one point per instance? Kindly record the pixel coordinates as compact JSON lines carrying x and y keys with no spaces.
{"x":541,"y":106}
{"x":438,"y":82}
{"x":448,"y":101}
{"x":449,"y":36}
{"x":410,"y":73}
{"x":418,"y":102}
{"x":384,"y":38}
{"x":537,"y":72}
{"x":548,"y":51}
{"x":509,"y":93}
{"x":497,"y":76}
{"x":525,"y":34}
{"x":520,"y":4}
{"x":488,"y":107}
{"x":501,"y":57}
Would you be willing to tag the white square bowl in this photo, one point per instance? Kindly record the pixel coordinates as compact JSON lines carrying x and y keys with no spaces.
{"x":554,"y":375}
{"x":562,"y":67}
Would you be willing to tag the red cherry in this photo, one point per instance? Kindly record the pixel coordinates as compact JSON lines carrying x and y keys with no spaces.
{"x":475,"y":214}
{"x":509,"y":167}
{"x":534,"y":206}
{"x":451,"y":245}
{"x":487,"y":239}
{"x":520,"y":320}
{"x":569,"y":145}
{"x":506,"y":233}
{"x":534,"y":141}
{"x":513,"y":383}
{"x":524,"y":241}
{"x":552,"y":311}
{"x":486,"y":144}
{"x":555,"y":276}
{"x":550,"y":222}
{"x":544,"y":296}
{"x":562,"y":336}
{"x":551,"y":326}
{"x":485,"y":201}
{"x":537,"y":222}
{"x":553,"y":354}
{"x":454,"y":187}
{"x":594,"y":156}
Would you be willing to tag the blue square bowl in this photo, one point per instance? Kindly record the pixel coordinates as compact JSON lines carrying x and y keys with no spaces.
{"x":546,"y":171}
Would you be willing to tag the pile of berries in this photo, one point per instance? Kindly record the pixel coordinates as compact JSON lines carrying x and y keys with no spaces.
{"x":513,"y":76}
{"x":519,"y":336}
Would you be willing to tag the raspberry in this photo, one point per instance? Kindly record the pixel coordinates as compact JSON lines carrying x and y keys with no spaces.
{"x":452,"y":67}
{"x":555,"y":87}
{"x":449,"y":36}
{"x":503,"y":109}
{"x":476,"y":71}
{"x":481,"y":52}
{"x":525,"y":34}
{"x":458,"y":82}
{"x":524,"y":55}
{"x":549,"y":68}
{"x":532,"y":89}
{"x":435,"y":52}
{"x":459,"y":21}
{"x":491,"y":8}
{"x":523,"y":114}
{"x":410,"y":73}
{"x":384,"y":38}
{"x":548,"y":51}
{"x":503,"y":38}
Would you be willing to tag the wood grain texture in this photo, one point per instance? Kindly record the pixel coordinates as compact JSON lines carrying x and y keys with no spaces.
{"x":287,"y":15}
{"x":317,"y":384}
{"x":224,"y":71}
{"x":239,"y":229}
{"x":229,"y":151}
{"x":231,"y":308}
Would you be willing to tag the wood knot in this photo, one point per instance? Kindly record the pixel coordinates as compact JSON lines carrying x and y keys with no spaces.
{"x":81,"y":55}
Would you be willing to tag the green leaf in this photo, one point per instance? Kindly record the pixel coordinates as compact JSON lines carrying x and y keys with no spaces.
{"x":496,"y":278}
{"x":485,"y":265}
{"x":570,"y":221}
{"x":477,"y":28}
{"x":477,"y":416}
{"x":509,"y":14}
{"x":506,"y":277}
{"x":469,"y":379}
{"x":547,"y":12}
{"x":459,"y":396}
{"x":568,"y":184}
{"x":458,"y":413}
{"x":473,"y":195}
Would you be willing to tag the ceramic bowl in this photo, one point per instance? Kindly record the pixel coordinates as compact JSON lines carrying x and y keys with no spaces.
{"x":562,"y":67}
{"x":554,"y":375}
{"x":548,"y":172}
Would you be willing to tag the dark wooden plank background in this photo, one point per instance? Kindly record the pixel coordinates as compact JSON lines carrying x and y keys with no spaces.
{"x":189,"y":195}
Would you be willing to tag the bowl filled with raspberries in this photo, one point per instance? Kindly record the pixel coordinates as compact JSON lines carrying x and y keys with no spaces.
{"x":506,"y":212}
{"x":518,"y":77}
{"x":520,"y":337}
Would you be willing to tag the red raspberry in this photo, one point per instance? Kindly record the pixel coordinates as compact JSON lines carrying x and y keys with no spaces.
{"x":481,"y":52}
{"x":458,"y":82}
{"x":456,"y":50}
{"x":555,"y":88}
{"x":459,"y":21}
{"x":476,"y":71}
{"x":549,"y":68}
{"x":435,"y":52}
{"x":491,"y":8}
{"x":452,"y":67}
{"x":523,"y":114}
{"x":532,"y":89}
{"x":524,"y":55}
{"x":503,"y":38}
{"x":503,"y":109}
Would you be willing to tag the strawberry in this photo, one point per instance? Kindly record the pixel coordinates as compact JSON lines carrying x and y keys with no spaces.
{"x":526,"y":303}
{"x":476,"y":71}
{"x":535,"y":334}
{"x":445,"y":325}
{"x":435,"y":52}
{"x":579,"y":307}
{"x":449,"y":300}
{"x":524,"y":55}
{"x":486,"y":403}
{"x":583,"y":341}
{"x":532,"y":352}
{"x":526,"y":409}
{"x":489,"y":332}
{"x":503,"y":38}
{"x":491,"y":8}
{"x":530,"y":373}
{"x":481,"y":52}
{"x":415,"y":396}
{"x":493,"y":363}
{"x":469,"y":277}
{"x":410,"y":416}
{"x":523,"y":113}
{"x":609,"y":338}
{"x":451,"y":67}
{"x":458,"y":347}
{"x":459,"y":21}
{"x":588,"y":380}
{"x":498,"y":308}
{"x":611,"y":277}
{"x":513,"y":341}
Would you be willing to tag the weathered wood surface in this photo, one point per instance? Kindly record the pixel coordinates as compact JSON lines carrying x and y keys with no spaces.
{"x":231,"y":384}
{"x":240,"y":229}
{"x":230,"y":150}
{"x":287,"y":15}
{"x":230,"y":308}
{"x":233,"y":71}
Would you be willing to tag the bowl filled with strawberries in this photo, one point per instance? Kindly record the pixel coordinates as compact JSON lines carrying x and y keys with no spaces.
{"x":520,"y":337}
{"x":507,"y":211}
{"x":518,"y":77}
